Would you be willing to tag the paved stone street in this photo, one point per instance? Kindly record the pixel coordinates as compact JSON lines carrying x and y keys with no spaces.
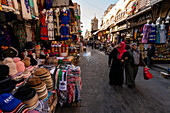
{"x":97,"y":96}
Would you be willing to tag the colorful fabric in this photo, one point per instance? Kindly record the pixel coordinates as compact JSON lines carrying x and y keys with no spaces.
{"x":57,"y":24}
{"x":152,"y":35}
{"x":70,"y":92}
{"x":10,"y":4}
{"x":25,"y":9}
{"x":16,"y":7}
{"x":50,"y":24}
{"x":31,"y":4}
{"x":44,"y":31}
{"x":0,"y":6}
{"x":157,"y":33}
{"x":21,"y":34}
{"x":146,"y":31}
{"x":36,"y":9}
{"x":49,"y":4}
{"x":4,"y":2}
{"x":65,"y":21}
{"x":163,"y":34}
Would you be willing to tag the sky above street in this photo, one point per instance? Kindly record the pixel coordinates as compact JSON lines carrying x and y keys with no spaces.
{"x":92,"y":8}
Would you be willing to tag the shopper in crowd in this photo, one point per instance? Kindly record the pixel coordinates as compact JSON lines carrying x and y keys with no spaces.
{"x":109,"y":50}
{"x":151,"y":53}
{"x":116,"y":71}
{"x":132,"y":58}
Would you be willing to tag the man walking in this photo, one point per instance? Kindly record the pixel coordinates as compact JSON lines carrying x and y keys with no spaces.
{"x":132,"y":58}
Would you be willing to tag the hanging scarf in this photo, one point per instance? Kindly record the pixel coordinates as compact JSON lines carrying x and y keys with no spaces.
{"x":121,"y":49}
{"x":136,"y":57}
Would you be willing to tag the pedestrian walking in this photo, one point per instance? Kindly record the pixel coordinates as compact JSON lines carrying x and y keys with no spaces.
{"x":132,"y":58}
{"x":151,"y":53}
{"x":116,"y":70}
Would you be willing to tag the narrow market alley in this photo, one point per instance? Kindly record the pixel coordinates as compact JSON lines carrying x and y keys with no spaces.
{"x":98,"y":96}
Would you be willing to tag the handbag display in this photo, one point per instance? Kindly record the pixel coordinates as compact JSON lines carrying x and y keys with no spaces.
{"x":146,"y":74}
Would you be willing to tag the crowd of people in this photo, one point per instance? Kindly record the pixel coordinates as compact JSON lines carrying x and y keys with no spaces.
{"x":124,"y":57}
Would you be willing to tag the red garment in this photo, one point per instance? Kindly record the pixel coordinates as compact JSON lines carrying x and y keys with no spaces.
{"x":70,"y":92}
{"x":121,"y":49}
{"x":44,"y":30}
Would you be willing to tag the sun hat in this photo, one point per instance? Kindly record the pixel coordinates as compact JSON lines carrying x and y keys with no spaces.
{"x":41,"y":72}
{"x":20,"y":65}
{"x":35,"y":81}
{"x":12,"y":66}
{"x":4,"y":72}
{"x":45,"y":76}
{"x":10,"y":104}
{"x":26,"y":61}
{"x":39,"y":86}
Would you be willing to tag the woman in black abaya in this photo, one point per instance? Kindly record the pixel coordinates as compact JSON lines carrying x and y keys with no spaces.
{"x":116,"y":70}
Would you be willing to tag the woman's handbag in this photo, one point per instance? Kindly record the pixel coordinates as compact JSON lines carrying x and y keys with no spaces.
{"x":146,"y":74}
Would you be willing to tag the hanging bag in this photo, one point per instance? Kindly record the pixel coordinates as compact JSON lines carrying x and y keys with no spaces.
{"x":146,"y":74}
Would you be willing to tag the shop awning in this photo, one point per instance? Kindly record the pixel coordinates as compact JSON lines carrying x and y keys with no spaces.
{"x":153,"y":2}
{"x":143,"y":11}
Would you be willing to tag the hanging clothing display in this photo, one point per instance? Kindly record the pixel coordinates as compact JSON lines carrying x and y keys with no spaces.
{"x":42,"y":5}
{"x":31,"y":4}
{"x":16,"y":7}
{"x":162,"y":33}
{"x":169,"y":32}
{"x":49,"y":4}
{"x":0,"y":6}
{"x":28,"y":31}
{"x":36,"y":9}
{"x":7,"y":5}
{"x":146,"y":31}
{"x":20,"y":33}
{"x":50,"y":22}
{"x":157,"y":33}
{"x":57,"y":24}
{"x":152,"y":34}
{"x":10,"y":4}
{"x":44,"y":31}
{"x":65,"y":21}
{"x":25,"y":9}
{"x":135,"y":34}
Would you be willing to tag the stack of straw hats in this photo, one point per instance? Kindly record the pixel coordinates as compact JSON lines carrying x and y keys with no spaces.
{"x":45,"y":76}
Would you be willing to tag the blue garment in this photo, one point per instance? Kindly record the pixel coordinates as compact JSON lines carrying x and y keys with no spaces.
{"x":49,"y":4}
{"x":152,"y":35}
{"x":65,"y":21}
{"x":157,"y":33}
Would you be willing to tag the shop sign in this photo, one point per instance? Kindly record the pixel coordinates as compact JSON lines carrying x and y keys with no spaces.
{"x":141,"y":19}
{"x":145,"y":17}
{"x":121,"y":15}
{"x":122,"y":27}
